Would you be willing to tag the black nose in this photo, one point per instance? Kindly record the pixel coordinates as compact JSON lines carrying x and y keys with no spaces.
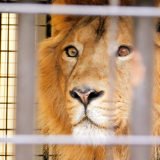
{"x":85,"y":96}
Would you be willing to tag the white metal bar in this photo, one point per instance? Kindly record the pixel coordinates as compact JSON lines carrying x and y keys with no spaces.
{"x":26,"y":75}
{"x":83,"y":140}
{"x":142,"y":102}
{"x":26,"y":82}
{"x":80,"y":10}
{"x":112,"y":34}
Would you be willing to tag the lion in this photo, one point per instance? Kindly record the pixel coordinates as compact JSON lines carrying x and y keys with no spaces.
{"x":74,"y":82}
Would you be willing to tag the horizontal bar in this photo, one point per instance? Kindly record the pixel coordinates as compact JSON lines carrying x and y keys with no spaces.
{"x":80,"y":10}
{"x":82,"y":140}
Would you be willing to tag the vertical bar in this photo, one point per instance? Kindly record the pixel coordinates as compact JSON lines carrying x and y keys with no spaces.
{"x":112,"y":31}
{"x":142,"y":100}
{"x":26,"y":82}
{"x":143,"y":93}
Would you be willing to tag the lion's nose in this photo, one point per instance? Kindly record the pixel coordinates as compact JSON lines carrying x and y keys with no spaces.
{"x":85,"y":96}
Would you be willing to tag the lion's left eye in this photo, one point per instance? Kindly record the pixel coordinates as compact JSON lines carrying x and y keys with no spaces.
{"x":123,"y":51}
{"x":71,"y":51}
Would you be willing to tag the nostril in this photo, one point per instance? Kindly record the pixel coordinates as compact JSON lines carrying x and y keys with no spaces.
{"x":94,"y":94}
{"x":74,"y":94}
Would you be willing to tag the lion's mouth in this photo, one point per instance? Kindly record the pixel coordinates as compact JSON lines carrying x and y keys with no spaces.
{"x":111,"y":122}
{"x":87,"y":119}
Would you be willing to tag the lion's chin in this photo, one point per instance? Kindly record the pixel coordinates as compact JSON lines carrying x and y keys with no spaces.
{"x":88,"y":129}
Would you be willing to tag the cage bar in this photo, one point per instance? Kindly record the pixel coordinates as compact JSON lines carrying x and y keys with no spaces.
{"x":112,"y":31}
{"x":142,"y":100}
{"x":80,"y":10}
{"x":26,"y":83}
{"x":134,"y":140}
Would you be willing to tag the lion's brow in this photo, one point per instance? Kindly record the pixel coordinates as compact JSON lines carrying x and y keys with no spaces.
{"x":101,"y":27}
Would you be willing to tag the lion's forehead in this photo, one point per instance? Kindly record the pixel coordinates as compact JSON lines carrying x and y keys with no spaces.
{"x":99,"y":28}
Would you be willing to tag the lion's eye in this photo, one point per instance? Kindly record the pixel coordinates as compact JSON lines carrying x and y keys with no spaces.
{"x":71,"y":51}
{"x":123,"y":51}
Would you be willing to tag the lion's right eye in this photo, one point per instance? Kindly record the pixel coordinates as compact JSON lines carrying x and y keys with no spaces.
{"x":71,"y":51}
{"x":123,"y":51}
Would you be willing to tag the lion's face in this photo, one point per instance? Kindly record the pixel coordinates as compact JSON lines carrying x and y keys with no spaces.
{"x":84,"y":76}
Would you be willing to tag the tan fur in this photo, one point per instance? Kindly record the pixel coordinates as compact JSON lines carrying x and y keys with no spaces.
{"x":59,"y":74}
